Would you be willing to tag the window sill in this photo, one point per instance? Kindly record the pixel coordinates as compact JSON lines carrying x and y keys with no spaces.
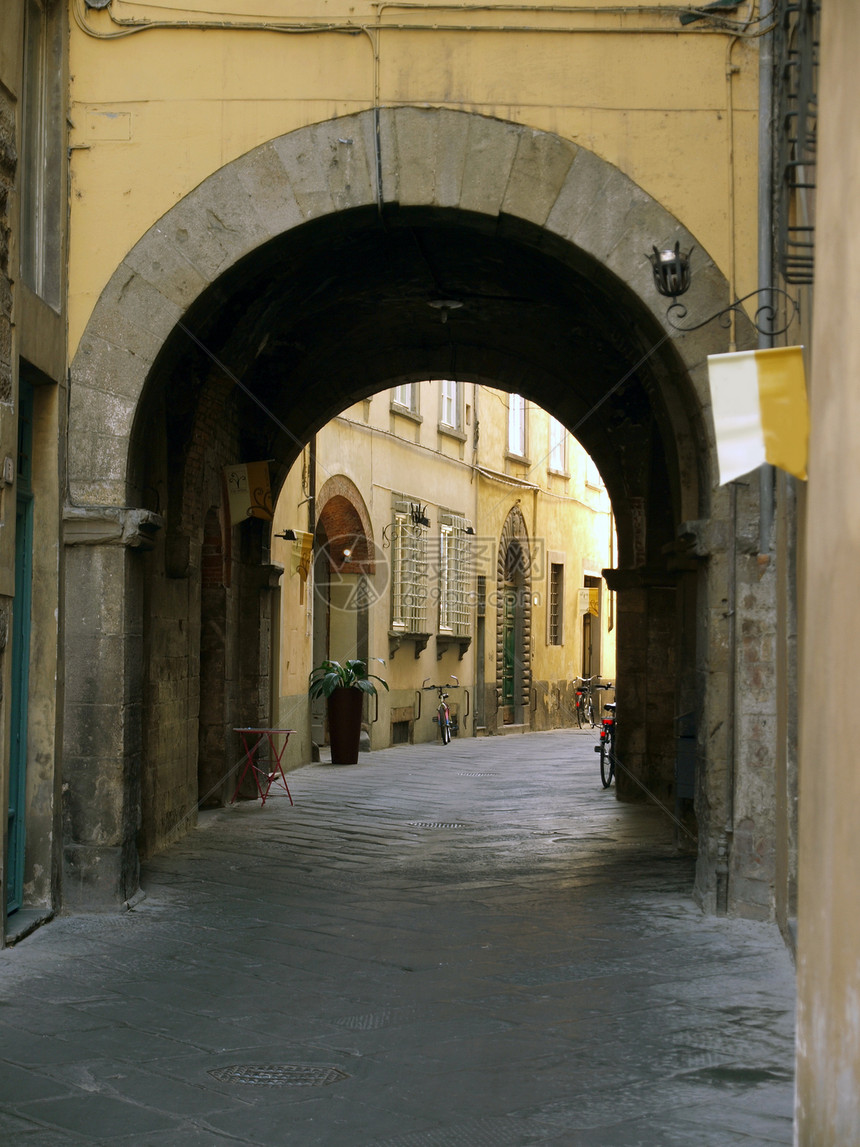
{"x":451,"y":432}
{"x":520,"y":459}
{"x":444,"y":641}
{"x":405,"y":412}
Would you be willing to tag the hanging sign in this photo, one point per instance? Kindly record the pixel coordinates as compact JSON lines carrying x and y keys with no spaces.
{"x":589,"y":600}
{"x":248,"y":491}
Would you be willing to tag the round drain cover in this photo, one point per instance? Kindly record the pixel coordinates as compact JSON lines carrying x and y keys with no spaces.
{"x":279,"y":1074}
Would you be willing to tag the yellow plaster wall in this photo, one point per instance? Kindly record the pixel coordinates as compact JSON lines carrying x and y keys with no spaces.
{"x":828,"y":943}
{"x":563,"y":515}
{"x":383,"y":452}
{"x":155,"y":112}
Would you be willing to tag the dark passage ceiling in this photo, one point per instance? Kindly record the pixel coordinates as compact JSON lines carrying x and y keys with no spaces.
{"x":339,"y":309}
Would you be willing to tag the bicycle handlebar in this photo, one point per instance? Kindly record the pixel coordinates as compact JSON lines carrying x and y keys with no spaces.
{"x":447,"y":684}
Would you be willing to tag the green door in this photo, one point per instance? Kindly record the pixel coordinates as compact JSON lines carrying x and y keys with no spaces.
{"x":20,"y":654}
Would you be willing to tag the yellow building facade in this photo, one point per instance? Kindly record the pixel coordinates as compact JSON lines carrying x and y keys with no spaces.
{"x":460,"y":536}
{"x":163,"y":95}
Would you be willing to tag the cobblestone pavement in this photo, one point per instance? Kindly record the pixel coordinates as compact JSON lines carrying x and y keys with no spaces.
{"x":471,"y":946}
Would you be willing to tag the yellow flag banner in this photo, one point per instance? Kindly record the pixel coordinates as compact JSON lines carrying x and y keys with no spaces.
{"x":760,"y":410}
{"x":589,"y":600}
{"x":248,"y":491}
{"x":300,"y":559}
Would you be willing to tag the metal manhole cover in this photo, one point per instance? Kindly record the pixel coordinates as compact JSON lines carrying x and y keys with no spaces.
{"x":435,"y":824}
{"x":279,"y":1075}
{"x":477,"y":774}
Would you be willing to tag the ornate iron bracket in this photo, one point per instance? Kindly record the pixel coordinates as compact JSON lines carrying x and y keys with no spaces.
{"x":763,"y":321}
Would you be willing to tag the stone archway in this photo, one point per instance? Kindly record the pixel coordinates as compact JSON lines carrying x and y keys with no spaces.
{"x":206,"y":275}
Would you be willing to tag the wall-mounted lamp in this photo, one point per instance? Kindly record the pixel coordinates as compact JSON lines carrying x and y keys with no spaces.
{"x":673,"y":274}
{"x":347,"y":554}
{"x":287,"y":535}
{"x":671,"y":268}
{"x":469,"y":530}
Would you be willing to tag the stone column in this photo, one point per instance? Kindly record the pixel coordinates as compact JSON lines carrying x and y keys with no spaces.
{"x":103,"y":703}
{"x":646,"y":646}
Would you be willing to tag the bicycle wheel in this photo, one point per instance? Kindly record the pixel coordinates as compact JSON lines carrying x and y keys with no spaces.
{"x":589,"y":712}
{"x":607,"y":762}
{"x":444,"y":726}
{"x":578,"y":710}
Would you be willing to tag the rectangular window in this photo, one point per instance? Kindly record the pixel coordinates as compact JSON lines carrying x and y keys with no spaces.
{"x":406,"y":395}
{"x":592,"y":474}
{"x":445,"y":572}
{"x":450,"y":404}
{"x":453,"y":574}
{"x":555,"y":616}
{"x":42,"y":138}
{"x":517,"y":425}
{"x":408,"y":572}
{"x":557,"y":446}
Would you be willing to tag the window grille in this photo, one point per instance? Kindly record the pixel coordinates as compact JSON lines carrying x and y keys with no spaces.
{"x":797,"y":131}
{"x":408,"y":572}
{"x":453,"y":574}
{"x":482,"y":595}
{"x":556,"y":602}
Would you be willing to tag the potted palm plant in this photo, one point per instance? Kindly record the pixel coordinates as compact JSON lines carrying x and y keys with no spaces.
{"x":344,"y":686}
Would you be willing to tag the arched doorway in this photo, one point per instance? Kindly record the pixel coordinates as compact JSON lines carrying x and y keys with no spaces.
{"x":314,"y":300}
{"x":342,"y":564}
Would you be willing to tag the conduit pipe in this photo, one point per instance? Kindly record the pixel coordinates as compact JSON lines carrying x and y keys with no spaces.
{"x":765,"y":248}
{"x":129,"y":26}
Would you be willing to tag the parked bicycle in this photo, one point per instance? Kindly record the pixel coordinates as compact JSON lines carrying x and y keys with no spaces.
{"x":584,"y":702}
{"x":606,"y":748}
{"x":443,"y":710}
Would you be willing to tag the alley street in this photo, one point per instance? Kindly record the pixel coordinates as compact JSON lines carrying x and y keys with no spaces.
{"x":471,"y":946}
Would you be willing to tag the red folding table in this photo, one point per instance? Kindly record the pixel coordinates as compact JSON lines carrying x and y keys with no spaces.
{"x":268,"y":770}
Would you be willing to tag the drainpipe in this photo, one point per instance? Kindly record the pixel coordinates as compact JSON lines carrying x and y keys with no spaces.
{"x":312,"y":529}
{"x":765,"y":248}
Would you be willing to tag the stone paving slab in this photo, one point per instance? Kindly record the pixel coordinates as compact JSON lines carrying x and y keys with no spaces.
{"x":472,"y":944}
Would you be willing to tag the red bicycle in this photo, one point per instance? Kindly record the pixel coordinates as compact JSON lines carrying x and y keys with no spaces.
{"x":443,"y":711}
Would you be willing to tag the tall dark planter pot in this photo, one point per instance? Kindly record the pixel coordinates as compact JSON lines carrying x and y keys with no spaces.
{"x":344,"y":725}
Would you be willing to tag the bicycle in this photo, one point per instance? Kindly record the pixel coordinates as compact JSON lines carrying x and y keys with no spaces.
{"x":584,"y":702}
{"x":443,"y":710}
{"x":606,"y":748}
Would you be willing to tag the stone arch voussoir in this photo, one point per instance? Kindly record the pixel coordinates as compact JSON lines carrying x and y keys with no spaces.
{"x":427,"y":157}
